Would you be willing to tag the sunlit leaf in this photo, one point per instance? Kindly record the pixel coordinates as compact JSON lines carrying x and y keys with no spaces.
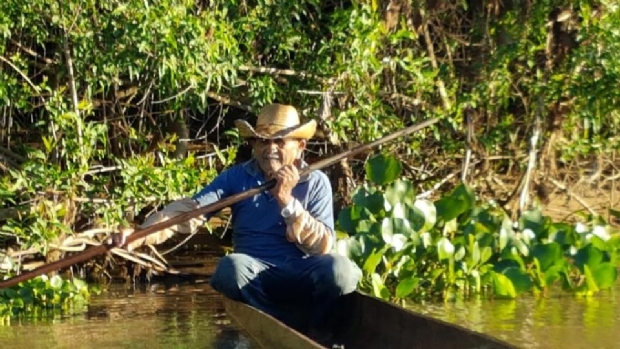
{"x":590,"y":280}
{"x":533,"y":220}
{"x":605,"y":275}
{"x":378,"y":287}
{"x":445,"y":249}
{"x":460,"y":253}
{"x":56,"y":281}
{"x":485,"y":254}
{"x":373,"y":260}
{"x":425,"y":211}
{"x":400,"y":191}
{"x":406,"y":286}
{"x":503,"y":286}
{"x":520,"y":279}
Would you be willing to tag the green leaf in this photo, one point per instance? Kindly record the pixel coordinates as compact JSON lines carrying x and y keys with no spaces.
{"x":563,"y":234}
{"x":460,"y":253}
{"x":605,"y":275}
{"x":56,"y":282}
{"x":474,"y":254}
{"x":378,"y":287}
{"x":349,"y":217}
{"x":554,"y":273}
{"x":445,"y":249}
{"x":520,"y":280}
{"x":79,"y":284}
{"x":423,"y":211}
{"x":392,"y":226}
{"x":547,"y":254}
{"x":485,"y":254}
{"x":590,"y":280}
{"x":456,"y":203}
{"x":588,"y":255}
{"x":399,"y":192}
{"x":406,"y":286}
{"x":373,"y":260}
{"x":382,"y":169}
{"x":373,"y":201}
{"x":533,"y":220}
{"x":503,"y":286}
{"x":349,"y":247}
{"x":506,"y":233}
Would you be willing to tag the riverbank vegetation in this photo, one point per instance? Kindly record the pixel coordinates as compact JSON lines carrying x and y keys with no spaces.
{"x":459,"y":246}
{"x":109,"y":111}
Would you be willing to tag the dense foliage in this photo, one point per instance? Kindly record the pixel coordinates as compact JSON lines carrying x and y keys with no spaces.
{"x":458,"y":246}
{"x":44,"y":296}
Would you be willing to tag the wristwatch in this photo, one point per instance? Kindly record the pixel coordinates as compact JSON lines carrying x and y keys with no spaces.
{"x":287,"y":211}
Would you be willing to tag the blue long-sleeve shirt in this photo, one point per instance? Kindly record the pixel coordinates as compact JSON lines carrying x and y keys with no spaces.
{"x":259,"y":229}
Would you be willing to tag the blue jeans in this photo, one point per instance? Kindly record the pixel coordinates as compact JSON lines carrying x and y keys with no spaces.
{"x":315,"y":282}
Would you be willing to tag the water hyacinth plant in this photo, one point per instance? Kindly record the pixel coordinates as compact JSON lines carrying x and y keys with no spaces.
{"x":45,"y":296}
{"x":413,"y":248}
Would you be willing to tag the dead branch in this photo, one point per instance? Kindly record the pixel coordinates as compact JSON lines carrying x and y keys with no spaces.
{"x":31,"y":52}
{"x":571,"y":194}
{"x":276,"y":71}
{"x":228,"y":101}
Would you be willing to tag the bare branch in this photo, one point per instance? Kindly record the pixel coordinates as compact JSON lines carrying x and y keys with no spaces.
{"x":24,"y":76}
{"x":276,"y":71}
{"x":571,"y":194}
{"x":431,"y":53}
{"x":74,"y":95}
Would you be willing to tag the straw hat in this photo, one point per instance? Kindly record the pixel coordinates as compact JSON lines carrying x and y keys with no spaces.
{"x":277,"y":121}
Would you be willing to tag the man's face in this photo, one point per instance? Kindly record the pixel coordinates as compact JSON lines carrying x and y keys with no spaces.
{"x":272,"y":154}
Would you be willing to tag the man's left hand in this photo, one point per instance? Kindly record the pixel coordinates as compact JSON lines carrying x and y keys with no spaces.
{"x":287,"y":178}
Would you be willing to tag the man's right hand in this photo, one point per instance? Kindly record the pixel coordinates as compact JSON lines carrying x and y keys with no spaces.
{"x":174,"y":209}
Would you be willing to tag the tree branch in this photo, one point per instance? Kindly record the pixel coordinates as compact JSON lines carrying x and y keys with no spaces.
{"x":74,"y":95}
{"x":431,"y":54}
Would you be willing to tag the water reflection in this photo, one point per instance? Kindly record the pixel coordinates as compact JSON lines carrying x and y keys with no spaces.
{"x":558,"y":322}
{"x":192,"y":317}
{"x":188,"y":317}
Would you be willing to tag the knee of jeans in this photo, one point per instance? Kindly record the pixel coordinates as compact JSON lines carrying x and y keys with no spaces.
{"x":342,"y":274}
{"x":231,"y":274}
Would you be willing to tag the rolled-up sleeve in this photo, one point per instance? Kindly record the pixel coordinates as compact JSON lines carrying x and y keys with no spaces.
{"x":312,"y":228}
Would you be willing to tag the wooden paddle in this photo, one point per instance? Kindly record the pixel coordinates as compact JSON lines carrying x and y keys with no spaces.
{"x":214,"y":207}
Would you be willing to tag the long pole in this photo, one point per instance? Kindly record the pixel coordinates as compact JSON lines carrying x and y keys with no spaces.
{"x":213,"y":207}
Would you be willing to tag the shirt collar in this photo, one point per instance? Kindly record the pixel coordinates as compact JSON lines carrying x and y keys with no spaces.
{"x":252,"y":168}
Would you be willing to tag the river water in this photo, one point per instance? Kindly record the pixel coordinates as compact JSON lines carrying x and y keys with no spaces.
{"x":566,"y":322}
{"x":192,"y":317}
{"x":188,"y":317}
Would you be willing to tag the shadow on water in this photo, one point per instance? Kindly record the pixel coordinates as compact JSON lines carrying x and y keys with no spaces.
{"x":187,"y":316}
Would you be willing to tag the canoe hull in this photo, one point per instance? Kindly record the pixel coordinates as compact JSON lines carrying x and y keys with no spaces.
{"x":362,"y":321}
{"x":267,"y":330}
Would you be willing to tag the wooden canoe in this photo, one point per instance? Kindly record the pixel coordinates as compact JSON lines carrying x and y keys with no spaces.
{"x":363,"y":321}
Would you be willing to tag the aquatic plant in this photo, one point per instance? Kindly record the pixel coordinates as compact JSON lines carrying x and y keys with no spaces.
{"x":414,"y":248}
{"x":44,"y":295}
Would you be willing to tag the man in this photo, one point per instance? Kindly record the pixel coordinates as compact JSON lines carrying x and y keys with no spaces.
{"x":282,"y":238}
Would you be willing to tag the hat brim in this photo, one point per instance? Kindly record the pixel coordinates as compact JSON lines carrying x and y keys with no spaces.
{"x":303,"y":131}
